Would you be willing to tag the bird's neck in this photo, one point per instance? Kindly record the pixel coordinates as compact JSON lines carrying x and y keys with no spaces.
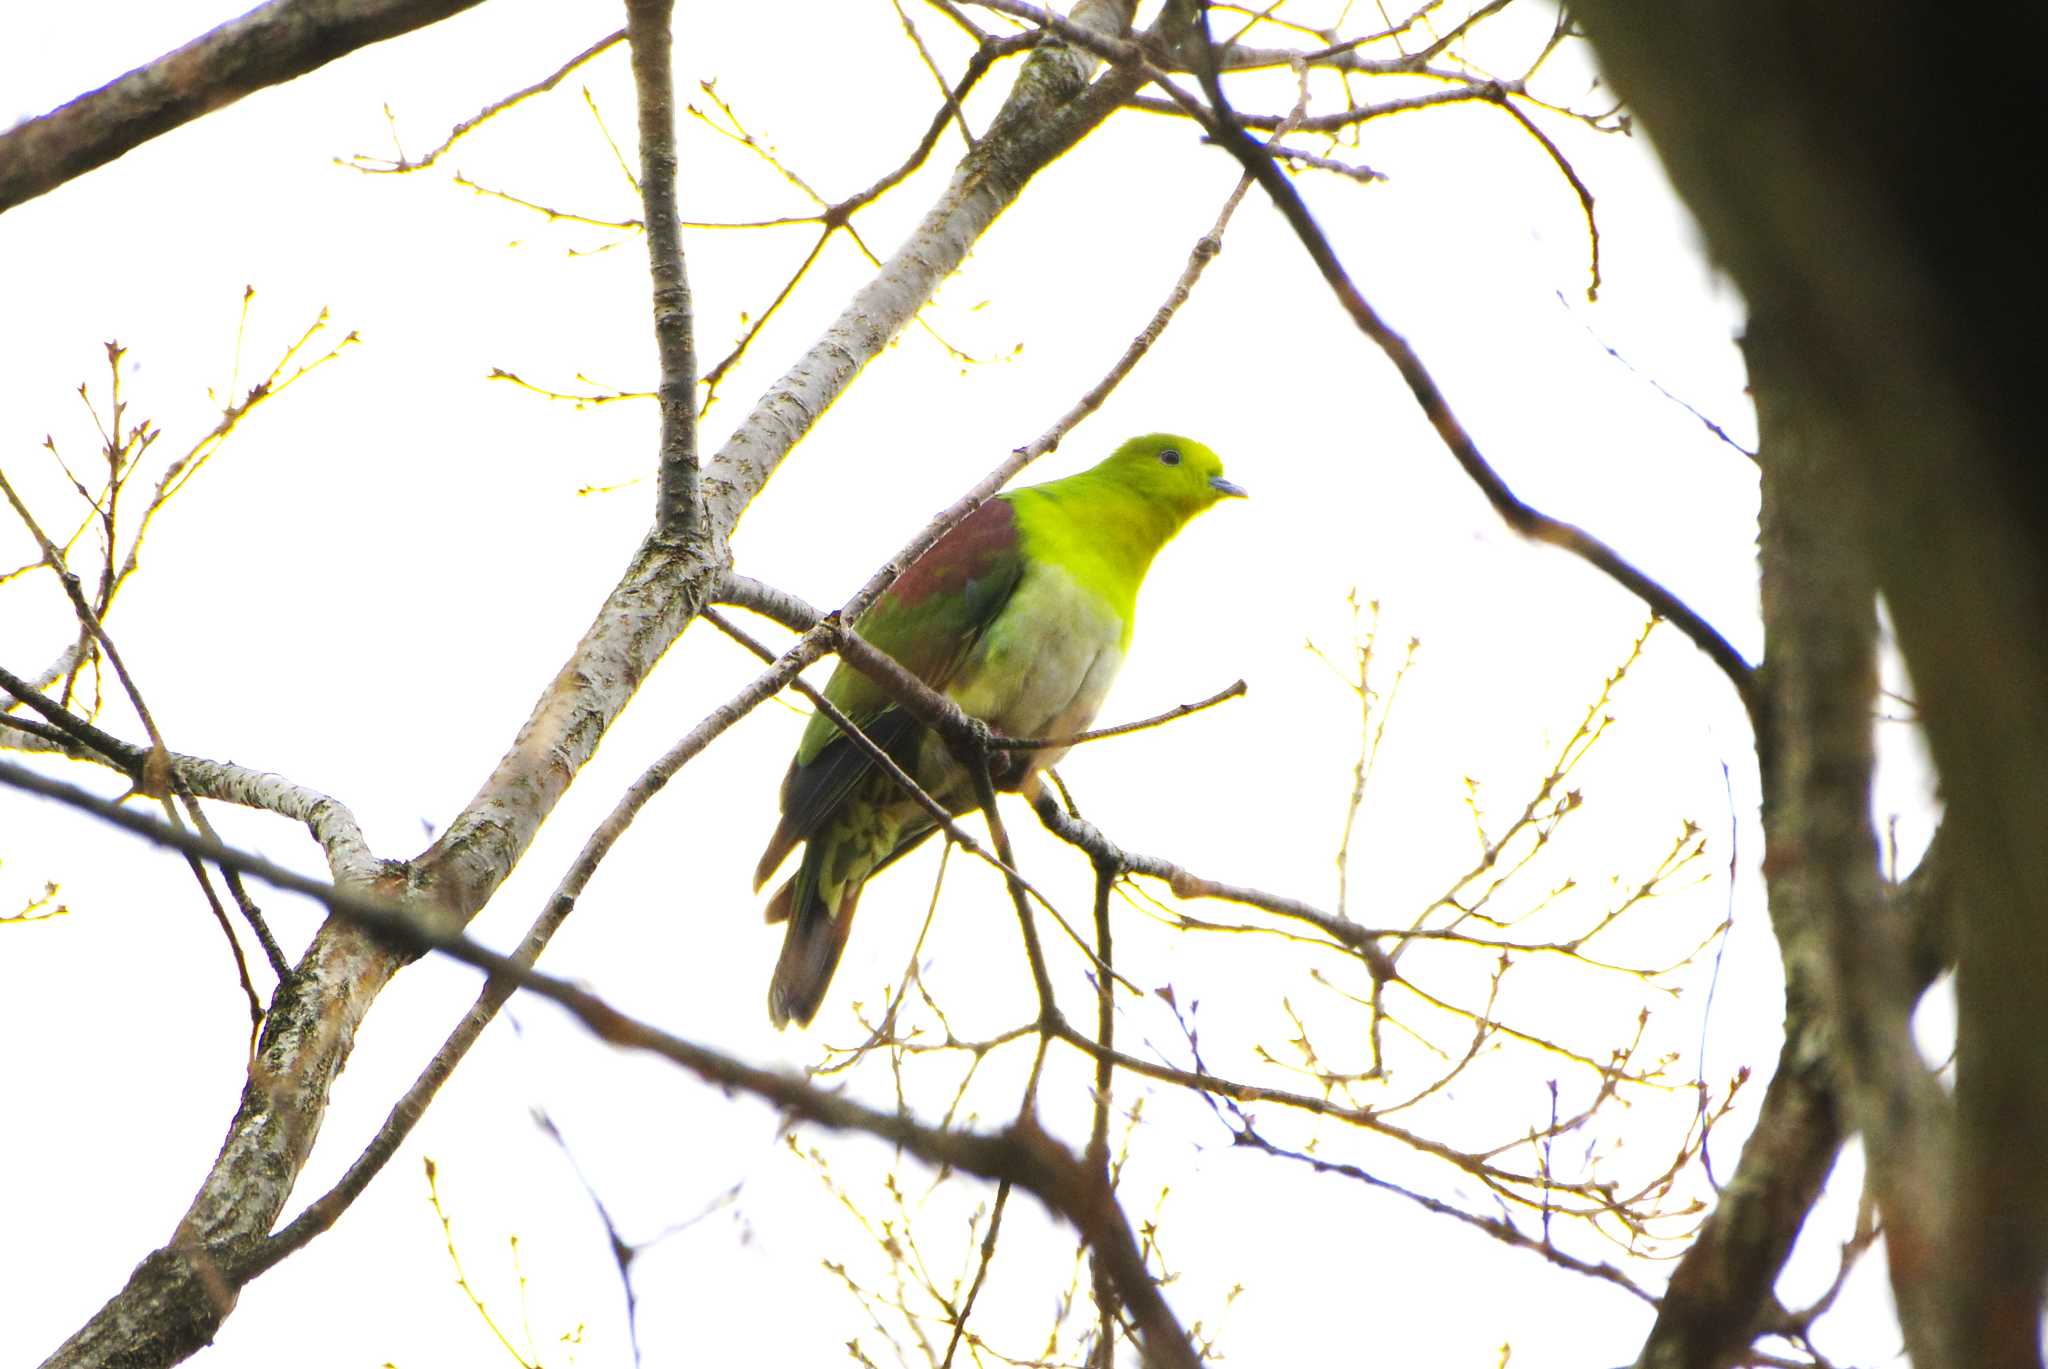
{"x":1099,"y":532}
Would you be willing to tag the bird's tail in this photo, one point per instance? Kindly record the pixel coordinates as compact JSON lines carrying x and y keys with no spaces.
{"x":812,"y":942}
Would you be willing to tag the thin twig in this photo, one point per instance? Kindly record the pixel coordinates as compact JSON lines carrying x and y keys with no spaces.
{"x":623,"y":1252}
{"x":1097,"y":1153}
{"x":988,"y":1254}
{"x":159,"y":777}
{"x":1034,"y":954}
{"x":924,"y":55}
{"x":490,"y":111}
{"x":1578,"y":186}
{"x":1088,"y":837}
{"x":461,"y":1277}
{"x":1228,"y":692}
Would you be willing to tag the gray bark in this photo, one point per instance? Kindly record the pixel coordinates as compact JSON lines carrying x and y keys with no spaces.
{"x":269,"y":45}
{"x":1868,"y":197}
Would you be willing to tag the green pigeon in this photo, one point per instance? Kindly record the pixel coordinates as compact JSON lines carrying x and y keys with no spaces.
{"x":1020,"y":615}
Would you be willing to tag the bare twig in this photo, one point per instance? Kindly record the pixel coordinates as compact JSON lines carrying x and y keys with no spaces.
{"x":988,"y":1255}
{"x":1086,"y":835}
{"x":1224,"y":695}
{"x":1571,"y":175}
{"x":1034,"y":955}
{"x":924,"y":55}
{"x":1720,"y":433}
{"x":488,"y":112}
{"x":1105,"y":1075}
{"x":623,"y":1252}
{"x":159,"y":778}
{"x":88,"y":619}
{"x":461,"y":1276}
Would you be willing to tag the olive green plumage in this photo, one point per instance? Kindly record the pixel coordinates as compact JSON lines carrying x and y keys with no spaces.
{"x":1021,"y":615}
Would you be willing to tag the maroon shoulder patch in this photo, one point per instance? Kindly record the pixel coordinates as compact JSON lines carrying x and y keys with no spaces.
{"x":983,"y":546}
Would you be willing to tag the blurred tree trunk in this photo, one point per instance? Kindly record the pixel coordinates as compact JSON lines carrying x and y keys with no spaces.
{"x":1866,"y":198}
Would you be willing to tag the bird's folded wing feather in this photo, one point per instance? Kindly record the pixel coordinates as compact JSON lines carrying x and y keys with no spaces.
{"x":928,"y":621}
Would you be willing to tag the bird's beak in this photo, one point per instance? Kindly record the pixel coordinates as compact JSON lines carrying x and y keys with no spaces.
{"x":1228,"y":490}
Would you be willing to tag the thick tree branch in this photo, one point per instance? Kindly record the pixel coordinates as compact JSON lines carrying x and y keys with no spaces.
{"x":1858,"y":226}
{"x":268,"y":45}
{"x":641,"y":617}
{"x":179,"y":1294}
{"x":1721,"y":1296}
{"x":1723,"y":1289}
{"x":348,"y":855}
{"x":1844,"y":943}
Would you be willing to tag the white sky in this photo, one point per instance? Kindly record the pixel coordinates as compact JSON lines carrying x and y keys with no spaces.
{"x":369,"y":587}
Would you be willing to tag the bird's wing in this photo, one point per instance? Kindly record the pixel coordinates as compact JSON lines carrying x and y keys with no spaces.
{"x":928,"y":621}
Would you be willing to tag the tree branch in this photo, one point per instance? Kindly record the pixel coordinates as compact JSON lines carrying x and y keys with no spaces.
{"x":678,"y":506}
{"x":1910,"y":304}
{"x":329,"y":820}
{"x":1021,"y":1154}
{"x":1085,"y":835}
{"x":1532,"y":523}
{"x":1721,"y":1295}
{"x":1846,"y":948}
{"x":489,"y":112}
{"x":268,"y":45}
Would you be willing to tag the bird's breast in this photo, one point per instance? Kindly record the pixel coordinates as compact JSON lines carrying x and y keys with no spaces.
{"x":1044,"y":666}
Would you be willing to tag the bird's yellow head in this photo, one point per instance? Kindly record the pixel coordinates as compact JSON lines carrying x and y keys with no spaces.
{"x":1168,"y":469}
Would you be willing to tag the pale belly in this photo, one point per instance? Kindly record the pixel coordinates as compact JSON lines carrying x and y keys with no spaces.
{"x":1046,"y":664}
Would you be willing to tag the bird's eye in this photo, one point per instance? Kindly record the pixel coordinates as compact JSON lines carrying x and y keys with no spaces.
{"x":1169,"y":457}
